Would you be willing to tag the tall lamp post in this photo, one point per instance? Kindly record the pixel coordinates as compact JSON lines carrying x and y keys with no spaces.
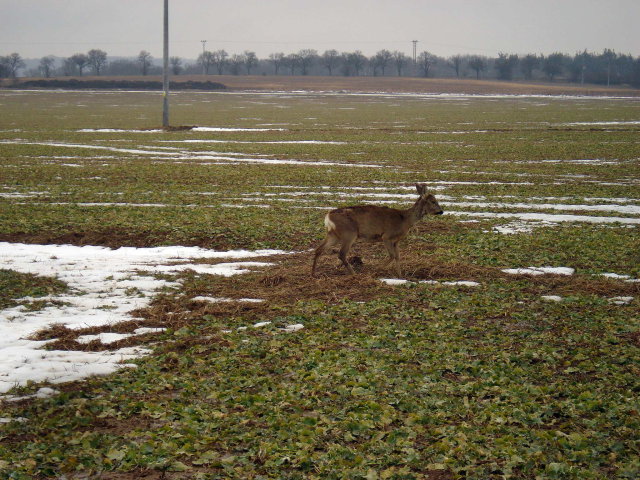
{"x":165,"y":70}
{"x":204,"y":44}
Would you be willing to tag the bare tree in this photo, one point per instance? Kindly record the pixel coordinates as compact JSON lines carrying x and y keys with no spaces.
{"x":353,"y":63}
{"x":528,"y":64}
{"x":68,"y":67}
{"x":97,"y":59}
{"x":144,"y":60}
{"x":455,"y":62}
{"x":330,"y":60}
{"x":401,"y":60}
{"x":425,"y":62}
{"x":80,"y":60}
{"x":250,"y":60}
{"x":176,"y":65}
{"x":235,"y":62}
{"x":220,"y":60}
{"x":291,"y":61}
{"x":123,"y":66}
{"x":577,"y":66}
{"x":381,"y":60}
{"x":206,"y":60}
{"x":46,"y":65}
{"x":505,"y":64}
{"x":306,"y":59}
{"x":277,"y":60}
{"x":478,"y":64}
{"x":15,"y":63}
{"x":553,"y":65}
{"x":4,"y":68}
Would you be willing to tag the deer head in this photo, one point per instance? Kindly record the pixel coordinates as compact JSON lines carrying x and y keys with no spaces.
{"x":426,"y":203}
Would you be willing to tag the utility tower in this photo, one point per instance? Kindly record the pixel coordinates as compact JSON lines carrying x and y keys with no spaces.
{"x":415,"y":43}
{"x":204,"y":44}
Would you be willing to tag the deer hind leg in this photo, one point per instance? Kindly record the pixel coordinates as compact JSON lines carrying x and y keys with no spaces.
{"x":327,"y":243}
{"x":348,"y":238}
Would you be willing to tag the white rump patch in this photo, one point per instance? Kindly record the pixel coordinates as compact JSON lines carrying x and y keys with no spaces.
{"x":328,"y":223}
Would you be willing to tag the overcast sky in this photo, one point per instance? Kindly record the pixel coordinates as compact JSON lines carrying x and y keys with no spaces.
{"x":35,"y":28}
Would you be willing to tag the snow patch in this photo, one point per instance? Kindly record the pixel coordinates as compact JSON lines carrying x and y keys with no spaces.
{"x":540,"y":271}
{"x":43,"y":392}
{"x":226,"y":129}
{"x":549,"y":218}
{"x":105,"y":337}
{"x":551,"y":298}
{"x":394,"y":281}
{"x":293,"y":328}
{"x":226,"y":299}
{"x":615,"y":275}
{"x":400,"y":281}
{"x":15,"y":419}
{"x":115,"y":130}
{"x":621,"y":300}
{"x":105,"y":287}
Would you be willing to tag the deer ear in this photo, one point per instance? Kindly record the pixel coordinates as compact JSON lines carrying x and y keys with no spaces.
{"x":421,"y":188}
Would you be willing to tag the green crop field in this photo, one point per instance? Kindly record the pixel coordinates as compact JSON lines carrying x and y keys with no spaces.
{"x":511,"y":375}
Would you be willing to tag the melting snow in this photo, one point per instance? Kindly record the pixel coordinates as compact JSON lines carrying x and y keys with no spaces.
{"x":548,"y":217}
{"x":394,"y":281}
{"x":115,"y":130}
{"x":621,"y":300}
{"x":226,"y":300}
{"x":105,"y":287}
{"x":293,"y":328}
{"x":105,"y":338}
{"x":615,"y":275}
{"x":225,"y":129}
{"x":400,"y":281}
{"x":108,"y":337}
{"x":552,"y":298}
{"x":43,"y":392}
{"x":629,"y":122}
{"x":540,"y":271}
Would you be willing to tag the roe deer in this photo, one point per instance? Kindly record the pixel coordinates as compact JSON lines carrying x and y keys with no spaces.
{"x":374,"y":224}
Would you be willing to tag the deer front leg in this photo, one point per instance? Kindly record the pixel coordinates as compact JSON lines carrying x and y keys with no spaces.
{"x":392,"y":249}
{"x":389,"y":247}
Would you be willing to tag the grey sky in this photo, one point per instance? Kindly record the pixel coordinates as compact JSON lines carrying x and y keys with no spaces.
{"x":35,"y":28}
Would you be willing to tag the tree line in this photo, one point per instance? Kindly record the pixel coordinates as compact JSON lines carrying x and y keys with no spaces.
{"x":608,"y":67}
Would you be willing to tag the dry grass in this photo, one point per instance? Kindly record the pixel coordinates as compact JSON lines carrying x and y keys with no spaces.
{"x":289,"y":281}
{"x":389,"y":84}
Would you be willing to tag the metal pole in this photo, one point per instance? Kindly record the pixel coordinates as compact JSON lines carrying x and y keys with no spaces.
{"x":165,"y":71}
{"x":204,"y":43}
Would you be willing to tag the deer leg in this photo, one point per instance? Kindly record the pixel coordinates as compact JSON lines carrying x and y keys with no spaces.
{"x":347,"y":242}
{"x":392,"y":248}
{"x":396,"y":256}
{"x":327,"y":243}
{"x":389,"y":246}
